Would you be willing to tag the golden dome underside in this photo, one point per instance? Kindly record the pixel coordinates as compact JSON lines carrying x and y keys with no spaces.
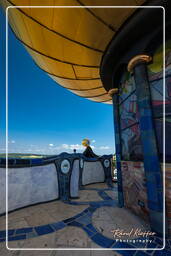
{"x":68,"y":43}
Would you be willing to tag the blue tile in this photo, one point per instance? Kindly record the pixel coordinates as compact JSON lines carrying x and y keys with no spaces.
{"x":58,"y":225}
{"x":3,"y":233}
{"x":104,"y":195}
{"x":86,"y":210}
{"x":42,"y":230}
{"x":75,"y":224}
{"x":102,"y":240}
{"x":89,"y":233}
{"x":92,"y":209}
{"x":69,"y":220}
{"x":31,"y":235}
{"x":84,"y":220}
{"x":90,"y":226}
{"x":79,"y":215}
{"x":13,"y":238}
{"x":24,"y":230}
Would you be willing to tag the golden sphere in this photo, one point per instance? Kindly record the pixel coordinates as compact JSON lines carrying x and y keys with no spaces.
{"x":85,"y":142}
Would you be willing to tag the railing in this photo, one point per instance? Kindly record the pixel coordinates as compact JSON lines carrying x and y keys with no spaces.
{"x":32,"y":181}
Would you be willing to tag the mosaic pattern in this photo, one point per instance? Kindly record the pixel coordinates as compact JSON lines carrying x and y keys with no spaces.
{"x":129,"y":119}
{"x":131,"y":143}
{"x":150,"y":151}
{"x":134,"y":187}
{"x":129,"y":111}
{"x":155,"y":72}
{"x":130,"y":137}
{"x":83,"y":220}
{"x":127,"y":86}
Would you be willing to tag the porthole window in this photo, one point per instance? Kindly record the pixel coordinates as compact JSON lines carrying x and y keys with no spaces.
{"x":106,"y":163}
{"x":65,"y":166}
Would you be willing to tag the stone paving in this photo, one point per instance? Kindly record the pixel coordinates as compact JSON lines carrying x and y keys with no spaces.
{"x":80,"y":223}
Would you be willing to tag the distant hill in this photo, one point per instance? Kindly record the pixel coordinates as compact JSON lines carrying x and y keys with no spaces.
{"x":21,"y":156}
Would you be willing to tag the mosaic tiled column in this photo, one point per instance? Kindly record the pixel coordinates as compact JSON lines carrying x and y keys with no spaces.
{"x":114,"y":94}
{"x":64,"y":171}
{"x":149,"y":144}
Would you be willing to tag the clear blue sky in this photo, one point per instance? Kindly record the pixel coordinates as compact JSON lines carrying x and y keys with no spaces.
{"x":44,"y":117}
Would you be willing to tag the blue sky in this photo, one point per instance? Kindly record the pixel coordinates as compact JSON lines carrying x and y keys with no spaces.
{"x":45,"y":118}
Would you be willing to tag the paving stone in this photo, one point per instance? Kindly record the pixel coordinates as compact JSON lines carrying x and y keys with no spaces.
{"x":39,"y":218}
{"x":65,"y":211}
{"x":18,"y":223}
{"x":72,"y":237}
{"x":96,"y":185}
{"x":106,"y":219}
{"x":88,"y":195}
{"x":2,"y":222}
{"x":85,"y":220}
{"x":44,"y":241}
{"x":71,"y":253}
{"x":102,"y":240}
{"x":113,"y":194}
{"x":104,"y":253}
{"x":35,"y":253}
{"x":16,"y":244}
{"x":5,"y":252}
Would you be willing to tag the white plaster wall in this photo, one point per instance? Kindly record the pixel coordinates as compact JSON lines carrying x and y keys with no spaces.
{"x":28,"y":185}
{"x":92,"y":172}
{"x":74,"y":183}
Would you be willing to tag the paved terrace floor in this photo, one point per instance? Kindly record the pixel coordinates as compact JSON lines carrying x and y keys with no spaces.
{"x":85,"y":222}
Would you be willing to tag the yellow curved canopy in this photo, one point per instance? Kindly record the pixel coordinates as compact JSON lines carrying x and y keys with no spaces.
{"x":68,"y":43}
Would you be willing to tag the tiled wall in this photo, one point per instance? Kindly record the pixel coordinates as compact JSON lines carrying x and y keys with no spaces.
{"x":135,"y":193}
{"x":134,"y":188}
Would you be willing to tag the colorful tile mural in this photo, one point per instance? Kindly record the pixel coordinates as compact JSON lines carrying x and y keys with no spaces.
{"x":155,"y":72}
{"x":128,"y":110}
{"x":134,"y":187}
{"x":131,"y":143}
{"x":133,"y":175}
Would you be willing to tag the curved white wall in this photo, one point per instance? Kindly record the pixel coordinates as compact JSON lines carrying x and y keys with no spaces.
{"x":92,"y":172}
{"x":28,"y":185}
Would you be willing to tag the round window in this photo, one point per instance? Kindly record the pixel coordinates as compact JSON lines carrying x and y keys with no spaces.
{"x":106,"y":163}
{"x":65,"y":166}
